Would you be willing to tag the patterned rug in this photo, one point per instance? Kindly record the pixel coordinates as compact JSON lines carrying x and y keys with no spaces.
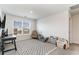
{"x":31,"y":47}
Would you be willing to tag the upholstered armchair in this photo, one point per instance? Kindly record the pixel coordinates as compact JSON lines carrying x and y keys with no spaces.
{"x":34,"y":35}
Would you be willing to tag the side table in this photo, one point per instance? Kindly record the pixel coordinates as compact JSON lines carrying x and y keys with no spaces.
{"x":62,"y":44}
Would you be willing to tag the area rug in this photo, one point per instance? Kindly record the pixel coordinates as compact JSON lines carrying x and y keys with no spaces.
{"x":31,"y":47}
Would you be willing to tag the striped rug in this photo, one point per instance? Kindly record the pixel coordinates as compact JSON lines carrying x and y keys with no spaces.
{"x":31,"y":47}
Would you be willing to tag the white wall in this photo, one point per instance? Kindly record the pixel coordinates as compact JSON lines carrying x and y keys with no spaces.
{"x":57,"y":24}
{"x":75,"y":29}
{"x":70,"y":28}
{"x":9,"y":24}
{"x":34,"y":25}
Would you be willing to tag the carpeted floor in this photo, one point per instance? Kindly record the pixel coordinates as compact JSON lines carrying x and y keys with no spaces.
{"x":31,"y":47}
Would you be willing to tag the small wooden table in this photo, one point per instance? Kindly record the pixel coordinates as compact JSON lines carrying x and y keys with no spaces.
{"x":8,"y":38}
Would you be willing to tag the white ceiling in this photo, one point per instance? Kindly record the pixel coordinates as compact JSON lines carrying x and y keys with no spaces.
{"x":39,"y":10}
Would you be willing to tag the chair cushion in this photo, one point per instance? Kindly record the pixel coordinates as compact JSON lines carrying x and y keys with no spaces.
{"x":52,"y":40}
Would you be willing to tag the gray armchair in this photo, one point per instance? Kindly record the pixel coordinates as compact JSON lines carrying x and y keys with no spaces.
{"x":42,"y":38}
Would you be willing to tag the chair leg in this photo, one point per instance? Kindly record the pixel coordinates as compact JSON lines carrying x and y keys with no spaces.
{"x":2,"y":52}
{"x":2,"y":48}
{"x":15,"y":45}
{"x":12,"y":42}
